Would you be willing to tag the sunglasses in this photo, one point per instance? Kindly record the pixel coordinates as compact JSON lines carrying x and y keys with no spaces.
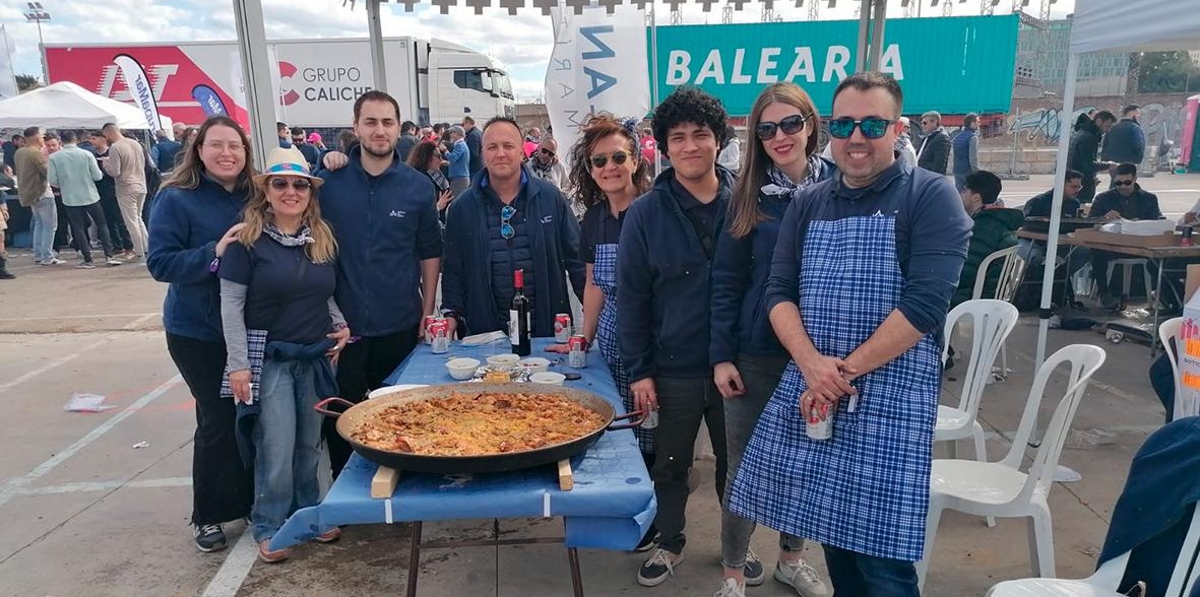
{"x":506,"y":215}
{"x":618,"y":157}
{"x":790,"y":126}
{"x":872,"y":128}
{"x":547,"y":152}
{"x":1123,"y":183}
{"x":299,"y":184}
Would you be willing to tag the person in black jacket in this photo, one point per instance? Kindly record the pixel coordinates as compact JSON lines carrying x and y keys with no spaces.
{"x":665,"y":253}
{"x":1125,"y":141}
{"x":474,"y":139}
{"x":1129,"y":201}
{"x":747,"y":358}
{"x":934,"y":153}
{"x":1083,"y":154}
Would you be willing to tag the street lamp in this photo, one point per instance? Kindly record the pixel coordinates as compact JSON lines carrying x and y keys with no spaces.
{"x":37,"y":14}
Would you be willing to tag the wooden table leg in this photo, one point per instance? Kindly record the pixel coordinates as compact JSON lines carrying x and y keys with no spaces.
{"x":414,"y":559}
{"x":576,"y":574}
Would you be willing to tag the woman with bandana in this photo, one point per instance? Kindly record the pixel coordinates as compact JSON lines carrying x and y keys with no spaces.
{"x":747,"y":359}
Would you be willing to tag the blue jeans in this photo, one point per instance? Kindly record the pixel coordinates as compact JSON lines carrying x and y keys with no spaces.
{"x":287,"y":441}
{"x":43,"y":226}
{"x":868,"y":576}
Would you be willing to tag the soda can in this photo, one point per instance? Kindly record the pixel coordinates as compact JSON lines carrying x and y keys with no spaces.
{"x":440,"y":336}
{"x":562,"y":328}
{"x":429,"y":319}
{"x":816,"y":428}
{"x":577,"y":358}
{"x":651,"y":420}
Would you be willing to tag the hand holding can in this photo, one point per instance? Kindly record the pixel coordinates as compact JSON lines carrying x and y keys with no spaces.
{"x":818,"y":418}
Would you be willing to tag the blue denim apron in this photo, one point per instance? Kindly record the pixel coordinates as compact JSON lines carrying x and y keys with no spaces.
{"x":867,"y":488}
{"x":604,"y":276}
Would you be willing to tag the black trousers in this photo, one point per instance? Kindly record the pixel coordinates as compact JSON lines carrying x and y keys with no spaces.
{"x":79,"y":225}
{"x":362,"y":367}
{"x":222,"y":488}
{"x":62,"y":235}
{"x":116,"y":224}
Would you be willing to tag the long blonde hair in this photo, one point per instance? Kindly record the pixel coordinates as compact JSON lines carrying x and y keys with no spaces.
{"x":323,"y":248}
{"x":187,"y":174}
{"x":744,"y":213}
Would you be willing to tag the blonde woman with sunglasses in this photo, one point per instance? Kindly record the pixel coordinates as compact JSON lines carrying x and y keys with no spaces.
{"x":283,"y":331}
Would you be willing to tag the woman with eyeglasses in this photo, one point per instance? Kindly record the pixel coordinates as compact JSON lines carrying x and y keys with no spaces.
{"x":284,"y":331}
{"x":194,"y":220}
{"x":607,"y":174}
{"x":747,"y":358}
{"x":427,"y":157}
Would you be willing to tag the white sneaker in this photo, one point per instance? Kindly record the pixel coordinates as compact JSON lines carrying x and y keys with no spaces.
{"x":53,"y":261}
{"x":801,"y":577}
{"x":731,"y":588}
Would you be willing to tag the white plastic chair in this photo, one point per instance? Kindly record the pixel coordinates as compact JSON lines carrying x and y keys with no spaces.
{"x":1168,"y":331}
{"x":991,"y":323}
{"x":1012,"y":271}
{"x":1000,"y":489}
{"x":1107,"y":578}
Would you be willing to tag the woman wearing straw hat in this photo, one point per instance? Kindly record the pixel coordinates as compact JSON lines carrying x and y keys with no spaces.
{"x":283,"y":331}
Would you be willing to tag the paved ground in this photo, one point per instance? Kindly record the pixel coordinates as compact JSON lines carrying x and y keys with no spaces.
{"x":88,"y":515}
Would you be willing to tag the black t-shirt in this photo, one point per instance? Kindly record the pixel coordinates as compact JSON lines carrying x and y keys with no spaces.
{"x":286,"y":294}
{"x":599,"y":227}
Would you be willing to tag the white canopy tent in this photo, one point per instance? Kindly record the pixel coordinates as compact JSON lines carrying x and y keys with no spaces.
{"x":1114,"y":26}
{"x":66,"y":105}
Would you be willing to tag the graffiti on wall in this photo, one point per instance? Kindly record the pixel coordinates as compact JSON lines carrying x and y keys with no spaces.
{"x":1043,"y":126}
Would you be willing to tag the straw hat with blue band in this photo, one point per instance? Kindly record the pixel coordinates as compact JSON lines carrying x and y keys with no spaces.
{"x":286,"y":162}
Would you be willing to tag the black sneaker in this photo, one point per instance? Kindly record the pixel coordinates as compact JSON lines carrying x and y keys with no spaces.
{"x":753,"y":570}
{"x":209,"y":537}
{"x":656,"y":569}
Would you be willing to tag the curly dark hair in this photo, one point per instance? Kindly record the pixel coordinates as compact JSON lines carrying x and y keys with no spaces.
{"x":689,"y":104}
{"x":581,"y":185}
{"x":421,"y":154}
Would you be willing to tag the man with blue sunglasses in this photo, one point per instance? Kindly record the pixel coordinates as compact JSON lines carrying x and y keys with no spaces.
{"x":508,"y":220}
{"x":861,"y":279}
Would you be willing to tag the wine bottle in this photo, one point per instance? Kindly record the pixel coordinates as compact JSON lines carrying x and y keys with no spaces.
{"x":520,"y":317}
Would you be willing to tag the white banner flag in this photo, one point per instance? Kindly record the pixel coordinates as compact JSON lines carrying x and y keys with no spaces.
{"x":8,"y":78}
{"x":139,"y":88}
{"x":599,"y":65}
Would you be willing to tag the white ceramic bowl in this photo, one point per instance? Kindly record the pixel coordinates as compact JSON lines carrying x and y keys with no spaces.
{"x":393,"y":389}
{"x":535,"y":364}
{"x":462,"y":368}
{"x":549,"y":378}
{"x":503,"y":360}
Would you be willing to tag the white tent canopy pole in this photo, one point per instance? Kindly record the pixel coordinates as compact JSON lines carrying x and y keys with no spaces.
{"x":256,"y":70}
{"x":1064,"y":140}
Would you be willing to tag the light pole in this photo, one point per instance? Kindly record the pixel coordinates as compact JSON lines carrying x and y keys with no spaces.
{"x":37,"y":14}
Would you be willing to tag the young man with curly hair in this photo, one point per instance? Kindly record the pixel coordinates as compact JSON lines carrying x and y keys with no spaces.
{"x":665,"y":251}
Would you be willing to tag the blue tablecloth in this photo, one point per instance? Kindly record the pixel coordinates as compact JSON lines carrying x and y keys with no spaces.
{"x":611,"y":506}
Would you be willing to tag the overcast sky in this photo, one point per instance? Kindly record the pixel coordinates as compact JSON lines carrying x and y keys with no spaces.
{"x":522,"y":43}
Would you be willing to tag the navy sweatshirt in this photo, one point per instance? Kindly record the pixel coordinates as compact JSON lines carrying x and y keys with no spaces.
{"x":553,"y":230}
{"x":385,"y":227}
{"x":932,"y":233}
{"x":740,"y":322}
{"x":185,"y":225}
{"x":663,"y":273}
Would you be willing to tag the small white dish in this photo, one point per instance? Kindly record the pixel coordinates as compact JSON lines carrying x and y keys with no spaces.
{"x":462,"y":368}
{"x":535,"y":364}
{"x":549,"y":378}
{"x":393,"y":390}
{"x":503,"y":360}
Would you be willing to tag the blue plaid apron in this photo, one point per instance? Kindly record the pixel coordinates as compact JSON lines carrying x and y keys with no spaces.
{"x":866,"y":489}
{"x":604,"y":276}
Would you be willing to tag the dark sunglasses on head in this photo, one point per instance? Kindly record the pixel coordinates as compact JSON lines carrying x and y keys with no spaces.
{"x":790,"y":126}
{"x":872,"y":128}
{"x":1123,"y":183}
{"x":546,"y":152}
{"x":299,"y":184}
{"x":506,"y":214}
{"x":600,"y":160}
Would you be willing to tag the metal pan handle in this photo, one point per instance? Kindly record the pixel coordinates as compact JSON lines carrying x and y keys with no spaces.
{"x":628,"y":415}
{"x":321,"y":406}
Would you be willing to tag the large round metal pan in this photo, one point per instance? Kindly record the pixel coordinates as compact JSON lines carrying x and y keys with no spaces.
{"x":349,"y":420}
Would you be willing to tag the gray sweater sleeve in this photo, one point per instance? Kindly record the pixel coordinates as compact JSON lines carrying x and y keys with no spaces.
{"x":335,"y":313}
{"x":233,"y":322}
